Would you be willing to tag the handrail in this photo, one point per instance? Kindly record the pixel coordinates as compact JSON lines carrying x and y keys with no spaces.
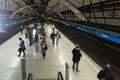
{"x":60,"y":77}
{"x":30,"y":76}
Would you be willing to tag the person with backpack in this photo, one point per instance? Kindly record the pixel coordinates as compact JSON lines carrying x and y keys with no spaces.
{"x":106,"y":73}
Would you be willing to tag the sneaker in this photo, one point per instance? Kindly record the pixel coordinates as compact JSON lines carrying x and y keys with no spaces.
{"x":77,"y":70}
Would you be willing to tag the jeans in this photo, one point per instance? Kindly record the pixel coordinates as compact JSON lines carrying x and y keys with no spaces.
{"x":53,"y":41}
{"x":57,"y":41}
{"x":23,"y":53}
{"x":77,"y":65}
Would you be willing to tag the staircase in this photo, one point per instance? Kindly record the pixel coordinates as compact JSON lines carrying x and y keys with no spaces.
{"x":59,"y":75}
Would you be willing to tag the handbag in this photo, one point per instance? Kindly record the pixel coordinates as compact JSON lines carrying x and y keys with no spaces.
{"x":24,"y":48}
{"x":45,"y":47}
{"x":19,"y":49}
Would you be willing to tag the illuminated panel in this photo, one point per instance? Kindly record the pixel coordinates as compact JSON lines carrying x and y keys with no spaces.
{"x":1,"y":30}
{"x":107,"y":36}
{"x":11,"y":23}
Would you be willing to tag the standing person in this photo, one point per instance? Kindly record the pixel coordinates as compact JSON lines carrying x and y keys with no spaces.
{"x":36,"y":37}
{"x":26,"y":33}
{"x":43,"y":47}
{"x":106,"y":73}
{"x":21,"y":29}
{"x":52,"y":37}
{"x":42,"y":30}
{"x":38,"y":27}
{"x":53,"y":29}
{"x":76,"y":57}
{"x":30,"y":37}
{"x":58,"y":36}
{"x":22,"y":47}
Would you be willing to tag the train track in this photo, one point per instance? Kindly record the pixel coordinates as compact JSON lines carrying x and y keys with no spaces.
{"x":95,"y":47}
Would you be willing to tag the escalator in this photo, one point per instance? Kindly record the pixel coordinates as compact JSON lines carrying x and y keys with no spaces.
{"x":59,"y":75}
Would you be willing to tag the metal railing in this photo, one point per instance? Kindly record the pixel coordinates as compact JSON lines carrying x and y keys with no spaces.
{"x":60,"y":77}
{"x":30,"y":76}
{"x":67,"y":73}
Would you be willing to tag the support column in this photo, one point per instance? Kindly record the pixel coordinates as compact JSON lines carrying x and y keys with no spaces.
{"x":23,"y":68}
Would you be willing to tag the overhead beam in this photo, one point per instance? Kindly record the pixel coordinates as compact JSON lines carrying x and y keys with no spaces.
{"x":34,"y":10}
{"x":53,"y":7}
{"x":106,"y":4}
{"x":15,"y":12}
{"x":74,"y":9}
{"x":29,"y":3}
{"x":16,"y":3}
{"x":105,"y":17}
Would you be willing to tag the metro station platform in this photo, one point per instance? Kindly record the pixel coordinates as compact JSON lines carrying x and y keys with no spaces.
{"x":56,"y":57}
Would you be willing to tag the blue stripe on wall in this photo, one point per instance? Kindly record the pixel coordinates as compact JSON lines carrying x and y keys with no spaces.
{"x":107,"y":36}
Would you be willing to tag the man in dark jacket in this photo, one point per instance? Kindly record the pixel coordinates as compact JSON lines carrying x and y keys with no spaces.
{"x":52,"y":37}
{"x":106,"y":73}
{"x":76,"y":57}
{"x":30,"y":37}
{"x":58,"y":36}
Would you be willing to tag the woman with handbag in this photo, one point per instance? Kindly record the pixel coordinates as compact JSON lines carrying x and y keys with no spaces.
{"x":43,"y":48}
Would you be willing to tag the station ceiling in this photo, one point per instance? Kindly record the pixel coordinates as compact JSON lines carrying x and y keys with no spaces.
{"x":97,"y":11}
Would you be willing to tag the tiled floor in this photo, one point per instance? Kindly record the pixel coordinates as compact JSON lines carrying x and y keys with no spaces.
{"x":57,"y":56}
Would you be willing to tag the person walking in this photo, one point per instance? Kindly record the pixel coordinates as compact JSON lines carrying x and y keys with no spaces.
{"x":21,"y":29}
{"x":44,"y":48}
{"x":30,"y":37}
{"x":22,"y":47}
{"x":58,"y":36}
{"x":52,"y":37}
{"x":106,"y":73}
{"x":76,"y":57}
{"x":26,"y":33}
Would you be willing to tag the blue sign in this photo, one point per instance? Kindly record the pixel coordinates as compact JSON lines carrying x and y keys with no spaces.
{"x":11,"y":23}
{"x":107,"y":36}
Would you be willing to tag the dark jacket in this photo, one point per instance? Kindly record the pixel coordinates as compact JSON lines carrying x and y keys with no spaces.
{"x":106,"y":74}
{"x":30,"y":35}
{"x":76,"y":54}
{"x":52,"y":36}
{"x":22,"y":44}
